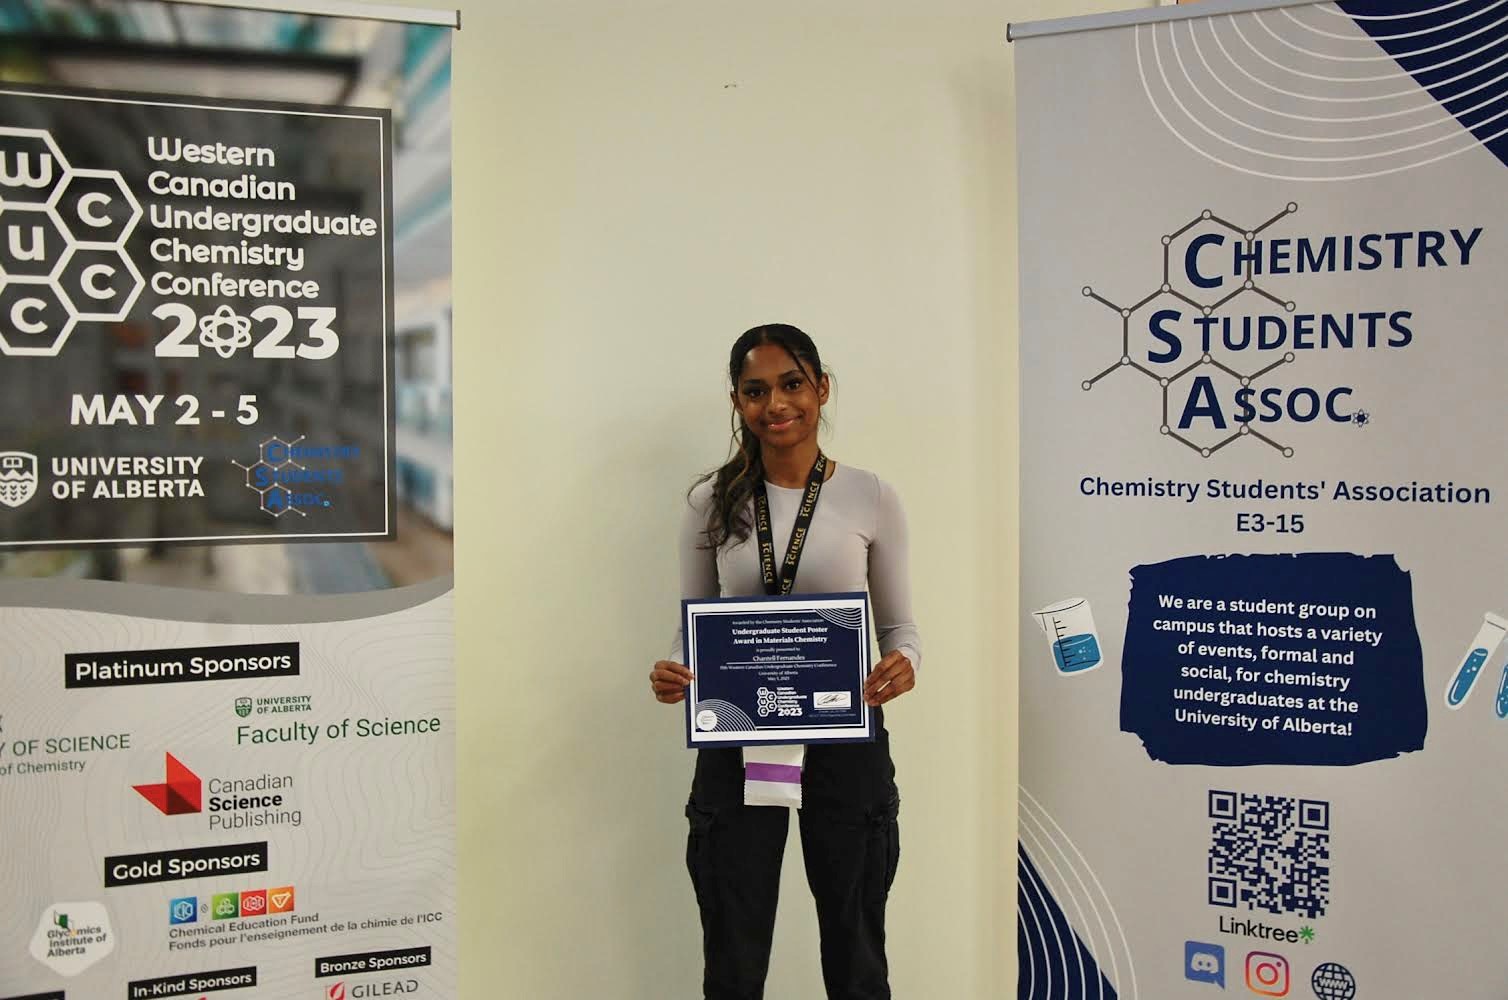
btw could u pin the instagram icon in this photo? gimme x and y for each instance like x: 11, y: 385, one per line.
x: 1267, y: 974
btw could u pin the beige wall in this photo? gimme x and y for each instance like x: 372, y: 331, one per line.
x: 636, y: 183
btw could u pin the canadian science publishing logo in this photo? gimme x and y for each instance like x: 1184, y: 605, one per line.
x: 180, y: 793
x: 18, y: 477
x: 232, y: 804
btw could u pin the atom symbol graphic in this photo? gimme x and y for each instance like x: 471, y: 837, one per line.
x: 210, y: 331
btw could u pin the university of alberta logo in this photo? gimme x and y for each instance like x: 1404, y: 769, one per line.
x: 18, y: 477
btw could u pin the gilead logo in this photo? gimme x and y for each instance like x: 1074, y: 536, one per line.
x: 181, y: 793
x: 361, y: 991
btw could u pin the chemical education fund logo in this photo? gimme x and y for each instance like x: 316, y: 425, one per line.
x: 18, y: 477
x: 62, y: 245
x: 71, y: 937
x: 233, y: 803
x: 231, y: 905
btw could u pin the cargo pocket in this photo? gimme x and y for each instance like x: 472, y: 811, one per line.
x: 699, y: 854
x: 885, y: 844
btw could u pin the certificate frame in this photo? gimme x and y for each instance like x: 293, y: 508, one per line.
x: 776, y: 631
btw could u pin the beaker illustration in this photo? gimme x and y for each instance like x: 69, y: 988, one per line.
x: 1488, y: 636
x: 1069, y: 627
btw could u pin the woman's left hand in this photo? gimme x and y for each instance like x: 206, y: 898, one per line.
x: 892, y: 677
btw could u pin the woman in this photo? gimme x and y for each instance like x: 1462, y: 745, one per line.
x: 856, y: 541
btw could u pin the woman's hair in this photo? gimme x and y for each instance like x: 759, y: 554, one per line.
x: 733, y: 482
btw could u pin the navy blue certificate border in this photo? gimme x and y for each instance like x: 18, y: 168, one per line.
x: 783, y: 737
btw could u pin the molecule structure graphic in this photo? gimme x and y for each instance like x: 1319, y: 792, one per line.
x: 1205, y: 361
x: 63, y: 233
x: 212, y: 331
x: 272, y: 455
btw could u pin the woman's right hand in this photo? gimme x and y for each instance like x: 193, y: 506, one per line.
x: 669, y: 680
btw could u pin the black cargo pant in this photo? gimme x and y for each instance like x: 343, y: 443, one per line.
x: 850, y: 842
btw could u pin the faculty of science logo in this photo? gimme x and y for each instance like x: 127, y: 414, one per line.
x: 18, y: 477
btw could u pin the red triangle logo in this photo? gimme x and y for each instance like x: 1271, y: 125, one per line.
x: 181, y: 793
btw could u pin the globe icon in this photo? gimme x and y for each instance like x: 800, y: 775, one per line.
x: 1333, y: 981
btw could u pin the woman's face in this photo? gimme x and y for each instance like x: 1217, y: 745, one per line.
x: 776, y: 398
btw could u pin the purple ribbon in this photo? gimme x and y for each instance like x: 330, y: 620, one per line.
x: 789, y: 773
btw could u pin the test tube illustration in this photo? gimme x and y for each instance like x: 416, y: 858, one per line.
x: 1070, y: 631
x: 1487, y: 639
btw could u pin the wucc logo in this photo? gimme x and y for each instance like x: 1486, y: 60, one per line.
x: 63, y: 233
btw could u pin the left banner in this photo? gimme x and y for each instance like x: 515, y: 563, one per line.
x: 227, y: 700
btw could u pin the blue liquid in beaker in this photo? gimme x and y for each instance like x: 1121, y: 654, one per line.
x: 1467, y: 676
x: 1076, y: 652
x: 1503, y: 696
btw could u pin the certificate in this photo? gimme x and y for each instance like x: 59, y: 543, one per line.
x: 777, y: 670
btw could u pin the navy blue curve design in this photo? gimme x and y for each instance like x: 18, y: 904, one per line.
x: 1458, y: 71
x: 1050, y: 943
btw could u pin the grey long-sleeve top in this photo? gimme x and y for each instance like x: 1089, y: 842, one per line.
x: 857, y: 542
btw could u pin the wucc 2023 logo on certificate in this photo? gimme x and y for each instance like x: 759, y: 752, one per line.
x: 63, y: 232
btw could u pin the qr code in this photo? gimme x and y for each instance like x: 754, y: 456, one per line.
x: 1271, y: 853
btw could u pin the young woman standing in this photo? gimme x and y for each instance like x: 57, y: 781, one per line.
x: 850, y: 840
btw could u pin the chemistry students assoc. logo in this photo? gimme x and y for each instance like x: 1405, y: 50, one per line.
x: 18, y: 477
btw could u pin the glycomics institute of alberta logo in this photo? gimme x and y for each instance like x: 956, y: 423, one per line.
x: 18, y: 477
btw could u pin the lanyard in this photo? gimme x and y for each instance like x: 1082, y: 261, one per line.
x: 777, y: 585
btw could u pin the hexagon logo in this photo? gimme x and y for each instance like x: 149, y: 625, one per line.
x: 97, y: 207
x: 32, y: 244
x: 71, y: 937
x: 1210, y: 300
x: 31, y: 166
x: 99, y: 284
x: 34, y: 321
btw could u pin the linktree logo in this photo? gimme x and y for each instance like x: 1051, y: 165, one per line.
x: 181, y: 793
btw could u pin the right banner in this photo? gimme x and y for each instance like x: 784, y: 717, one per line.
x: 1264, y: 560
